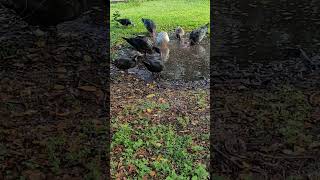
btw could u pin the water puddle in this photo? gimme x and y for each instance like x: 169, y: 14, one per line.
x: 181, y: 62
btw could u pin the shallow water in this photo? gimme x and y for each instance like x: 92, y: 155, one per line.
x: 181, y: 62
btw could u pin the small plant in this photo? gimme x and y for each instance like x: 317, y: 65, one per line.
x: 53, y: 145
x: 116, y: 15
x: 94, y: 171
x: 183, y: 121
x: 202, y: 99
x: 171, y: 156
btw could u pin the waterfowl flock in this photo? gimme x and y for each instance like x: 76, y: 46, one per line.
x: 155, y: 43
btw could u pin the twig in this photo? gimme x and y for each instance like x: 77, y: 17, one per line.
x: 225, y: 156
x: 309, y: 63
x: 287, y: 157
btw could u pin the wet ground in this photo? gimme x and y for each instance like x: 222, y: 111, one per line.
x: 184, y: 65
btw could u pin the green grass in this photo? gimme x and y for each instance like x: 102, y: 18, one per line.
x: 171, y: 156
x: 167, y: 14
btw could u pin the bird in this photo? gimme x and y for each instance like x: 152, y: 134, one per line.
x: 125, y: 22
x: 164, y: 55
x: 150, y: 26
x: 162, y: 40
x: 154, y: 65
x: 125, y: 63
x: 142, y: 44
x: 197, y: 35
x: 179, y: 32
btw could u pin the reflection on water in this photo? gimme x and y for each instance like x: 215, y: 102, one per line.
x: 181, y: 61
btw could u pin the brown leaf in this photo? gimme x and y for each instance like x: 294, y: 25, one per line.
x: 132, y: 168
x: 288, y: 151
x: 88, y: 88
x: 58, y: 87
x: 152, y: 173
x: 87, y: 58
x: 26, y: 113
x: 40, y: 43
x: 161, y: 100
x: 34, y: 174
x: 61, y: 69
x: 25, y: 92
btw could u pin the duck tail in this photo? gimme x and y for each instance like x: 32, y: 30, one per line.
x: 125, y: 38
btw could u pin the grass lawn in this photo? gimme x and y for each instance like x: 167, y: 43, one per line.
x: 167, y: 14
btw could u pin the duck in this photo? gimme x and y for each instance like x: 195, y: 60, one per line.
x: 179, y: 32
x: 154, y: 65
x: 197, y: 35
x: 150, y: 26
x: 125, y: 63
x: 142, y: 44
x: 164, y: 55
x: 125, y: 22
x: 162, y: 40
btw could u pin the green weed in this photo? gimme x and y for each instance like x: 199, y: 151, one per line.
x: 170, y: 152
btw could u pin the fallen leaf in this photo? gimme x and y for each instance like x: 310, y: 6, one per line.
x: 34, y: 174
x: 152, y: 173
x: 61, y: 69
x: 150, y: 95
x: 26, y: 113
x: 88, y: 88
x: 87, y: 58
x: 132, y: 168
x: 40, y: 43
x: 149, y: 110
x: 161, y: 100
x: 298, y: 150
x: 287, y: 151
x: 58, y: 87
x: 194, y: 122
x: 314, y: 145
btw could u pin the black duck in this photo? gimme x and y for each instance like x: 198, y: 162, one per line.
x: 197, y: 35
x: 142, y: 44
x: 125, y: 22
x: 150, y: 26
x: 154, y: 65
x: 125, y: 63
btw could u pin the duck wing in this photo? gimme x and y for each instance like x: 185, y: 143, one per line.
x: 153, y: 66
x: 125, y: 63
x: 149, y: 24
